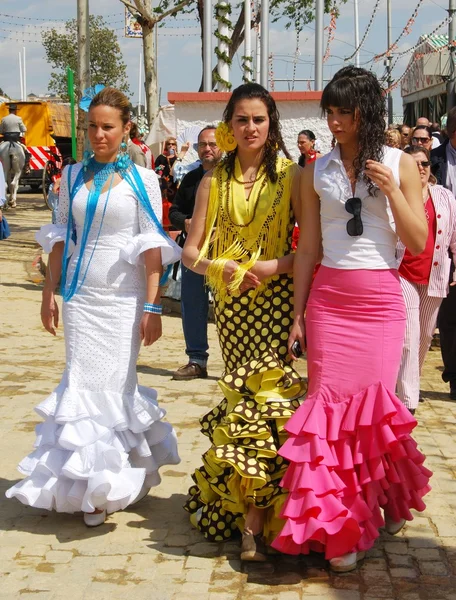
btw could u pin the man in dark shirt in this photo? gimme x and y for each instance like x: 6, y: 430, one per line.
x: 194, y: 294
x: 443, y: 166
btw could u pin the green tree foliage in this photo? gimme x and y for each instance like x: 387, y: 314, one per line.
x: 106, y: 64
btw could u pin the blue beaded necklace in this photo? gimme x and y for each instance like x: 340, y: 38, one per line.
x: 100, y: 172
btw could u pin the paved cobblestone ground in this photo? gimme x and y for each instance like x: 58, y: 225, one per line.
x: 150, y: 551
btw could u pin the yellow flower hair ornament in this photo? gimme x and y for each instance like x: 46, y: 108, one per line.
x: 225, y: 138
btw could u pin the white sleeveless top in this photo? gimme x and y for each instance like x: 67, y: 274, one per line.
x: 376, y: 248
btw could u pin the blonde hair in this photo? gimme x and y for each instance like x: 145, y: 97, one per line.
x: 110, y: 96
x: 393, y: 138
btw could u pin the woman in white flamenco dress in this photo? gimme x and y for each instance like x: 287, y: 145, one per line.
x: 103, y: 440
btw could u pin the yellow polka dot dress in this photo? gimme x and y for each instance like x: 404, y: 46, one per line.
x: 248, y: 331
x: 246, y: 429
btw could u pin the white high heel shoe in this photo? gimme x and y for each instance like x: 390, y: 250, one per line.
x: 347, y: 562
x: 95, y: 519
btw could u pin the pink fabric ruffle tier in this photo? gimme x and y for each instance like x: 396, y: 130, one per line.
x: 348, y: 459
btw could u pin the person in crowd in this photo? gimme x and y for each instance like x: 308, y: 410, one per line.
x: 349, y: 449
x: 443, y: 167
x: 135, y: 142
x: 103, y: 439
x: 136, y: 154
x: 437, y: 133
x: 306, y: 145
x: 424, y: 122
x: 424, y: 278
x: 405, y: 135
x: 163, y: 165
x: 393, y: 138
x: 180, y: 168
x: 4, y: 228
x: 251, y: 197
x: 12, y: 128
x: 422, y: 136
x: 194, y: 293
x: 54, y: 187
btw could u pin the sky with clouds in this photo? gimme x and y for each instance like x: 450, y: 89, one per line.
x: 179, y: 45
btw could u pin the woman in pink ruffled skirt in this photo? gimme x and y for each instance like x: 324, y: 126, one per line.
x: 349, y: 448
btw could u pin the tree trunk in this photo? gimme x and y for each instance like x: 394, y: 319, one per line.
x: 81, y: 130
x: 150, y: 71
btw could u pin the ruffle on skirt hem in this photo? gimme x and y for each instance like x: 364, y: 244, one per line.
x: 348, y: 459
x: 95, y: 450
x: 243, y: 467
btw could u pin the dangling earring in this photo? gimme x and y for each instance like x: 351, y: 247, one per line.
x: 86, y: 158
x: 122, y: 157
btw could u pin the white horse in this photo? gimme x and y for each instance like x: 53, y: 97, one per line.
x: 12, y: 157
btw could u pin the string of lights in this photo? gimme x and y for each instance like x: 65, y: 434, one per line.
x: 19, y: 40
x: 366, y: 33
x: 271, y: 73
x: 295, y: 60
x: 406, y: 30
x: 32, y: 34
x: 420, y: 42
x: 18, y: 18
x: 331, y: 32
x: 38, y: 40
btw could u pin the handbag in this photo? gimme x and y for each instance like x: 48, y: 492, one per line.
x: 4, y: 229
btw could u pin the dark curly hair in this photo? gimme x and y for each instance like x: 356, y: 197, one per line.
x: 358, y: 90
x: 274, y: 143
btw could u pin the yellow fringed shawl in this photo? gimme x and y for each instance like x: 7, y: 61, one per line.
x: 246, y: 230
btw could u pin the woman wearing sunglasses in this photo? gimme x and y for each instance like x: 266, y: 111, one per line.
x: 350, y: 451
x: 424, y: 278
x: 422, y: 136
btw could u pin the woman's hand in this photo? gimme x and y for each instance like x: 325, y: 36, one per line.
x: 183, y: 151
x: 150, y: 328
x: 49, y: 312
x: 297, y: 333
x: 249, y: 281
x: 382, y: 176
x: 1, y: 215
x: 255, y: 276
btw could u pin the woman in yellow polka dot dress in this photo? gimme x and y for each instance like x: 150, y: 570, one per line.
x: 240, y: 239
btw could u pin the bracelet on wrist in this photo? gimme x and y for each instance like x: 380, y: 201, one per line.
x: 155, y: 309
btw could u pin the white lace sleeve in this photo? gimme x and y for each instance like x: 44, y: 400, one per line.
x: 49, y: 235
x: 149, y: 234
x: 146, y: 225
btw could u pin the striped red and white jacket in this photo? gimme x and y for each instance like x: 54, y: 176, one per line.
x: 445, y: 239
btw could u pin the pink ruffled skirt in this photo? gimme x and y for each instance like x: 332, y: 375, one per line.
x: 349, y: 446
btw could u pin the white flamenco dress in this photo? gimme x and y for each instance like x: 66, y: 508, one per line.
x: 103, y: 437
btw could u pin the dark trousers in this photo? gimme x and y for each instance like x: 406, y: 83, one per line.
x: 447, y: 328
x: 195, y: 308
